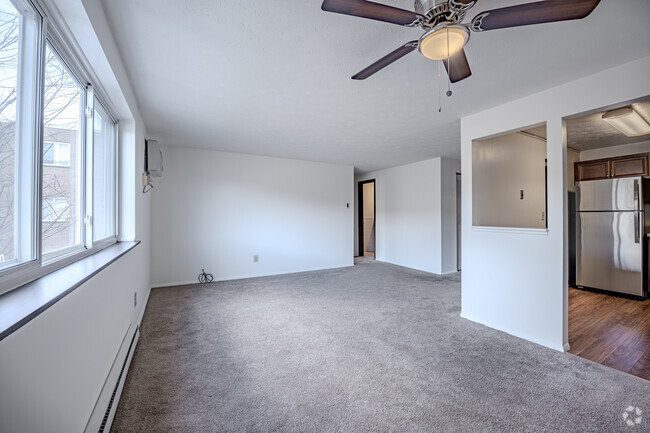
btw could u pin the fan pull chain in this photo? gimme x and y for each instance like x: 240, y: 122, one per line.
x: 439, y: 103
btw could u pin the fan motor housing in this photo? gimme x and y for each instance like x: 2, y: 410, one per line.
x: 437, y: 11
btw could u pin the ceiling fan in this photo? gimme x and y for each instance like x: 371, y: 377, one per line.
x: 445, y: 35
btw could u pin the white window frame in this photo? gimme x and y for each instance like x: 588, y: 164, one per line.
x: 111, y: 238
x: 82, y: 245
x: 30, y: 232
x: 27, y: 225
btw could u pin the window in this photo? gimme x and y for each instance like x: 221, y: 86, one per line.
x: 58, y: 151
x: 62, y: 121
x: 56, y: 154
x: 20, y: 30
x: 104, y: 174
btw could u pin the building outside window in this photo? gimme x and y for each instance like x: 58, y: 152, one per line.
x: 56, y: 154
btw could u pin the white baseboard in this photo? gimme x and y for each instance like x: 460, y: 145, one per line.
x: 516, y: 334
x: 243, y: 277
x: 181, y: 283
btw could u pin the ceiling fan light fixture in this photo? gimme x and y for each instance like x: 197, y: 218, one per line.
x: 443, y: 41
x: 628, y: 121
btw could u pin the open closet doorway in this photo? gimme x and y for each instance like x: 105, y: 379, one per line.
x: 459, y: 240
x: 367, y: 210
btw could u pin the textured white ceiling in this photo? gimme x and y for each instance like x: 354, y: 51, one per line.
x: 592, y: 132
x: 273, y: 77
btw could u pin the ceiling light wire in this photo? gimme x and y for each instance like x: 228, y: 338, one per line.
x: 448, y: 67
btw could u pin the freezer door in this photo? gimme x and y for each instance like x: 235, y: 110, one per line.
x: 610, y: 194
x: 609, y: 251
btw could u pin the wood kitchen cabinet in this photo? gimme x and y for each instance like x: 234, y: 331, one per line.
x: 622, y: 166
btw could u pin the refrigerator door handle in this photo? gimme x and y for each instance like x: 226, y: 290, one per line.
x: 637, y: 230
x: 636, y: 195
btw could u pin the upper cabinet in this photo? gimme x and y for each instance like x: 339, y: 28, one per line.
x: 622, y: 166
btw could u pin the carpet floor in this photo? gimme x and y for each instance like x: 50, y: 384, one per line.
x: 369, y: 348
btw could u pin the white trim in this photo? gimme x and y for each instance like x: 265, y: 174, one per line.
x: 245, y: 277
x: 183, y: 283
x: 513, y: 230
x: 515, y: 333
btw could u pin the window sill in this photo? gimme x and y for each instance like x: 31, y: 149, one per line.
x: 24, y: 303
x: 512, y: 230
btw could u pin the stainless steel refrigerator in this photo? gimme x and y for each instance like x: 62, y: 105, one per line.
x: 611, y: 234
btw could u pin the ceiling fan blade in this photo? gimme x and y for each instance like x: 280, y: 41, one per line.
x: 459, y: 69
x: 373, y: 11
x: 533, y: 13
x: 461, y: 5
x: 386, y: 60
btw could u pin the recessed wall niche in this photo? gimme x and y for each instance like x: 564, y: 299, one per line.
x: 509, y: 180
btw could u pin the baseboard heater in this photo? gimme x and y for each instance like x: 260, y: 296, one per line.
x: 102, y: 416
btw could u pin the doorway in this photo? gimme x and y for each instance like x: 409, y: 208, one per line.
x: 458, y: 222
x: 608, y: 313
x: 367, y: 209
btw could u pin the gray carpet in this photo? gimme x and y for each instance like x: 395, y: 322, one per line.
x: 370, y: 348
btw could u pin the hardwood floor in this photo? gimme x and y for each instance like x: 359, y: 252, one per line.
x: 610, y: 330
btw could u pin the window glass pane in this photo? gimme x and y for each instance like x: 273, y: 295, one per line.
x: 62, y: 154
x: 9, y: 30
x: 19, y: 28
x: 56, y: 154
x: 103, y: 174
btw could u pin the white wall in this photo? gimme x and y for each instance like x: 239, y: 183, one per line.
x: 502, y: 167
x: 614, y: 151
x: 216, y: 210
x: 515, y: 280
x: 409, y: 219
x: 52, y: 369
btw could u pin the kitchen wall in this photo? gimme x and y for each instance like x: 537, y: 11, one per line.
x: 504, y: 166
x: 414, y: 207
x: 217, y: 210
x: 515, y: 280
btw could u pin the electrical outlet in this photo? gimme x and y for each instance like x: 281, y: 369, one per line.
x: 135, y: 299
x: 521, y: 194
x: 256, y: 258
